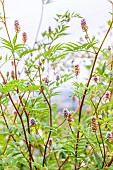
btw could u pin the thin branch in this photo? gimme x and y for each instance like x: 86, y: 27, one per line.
x: 50, y: 113
x: 63, y: 163
x: 84, y: 95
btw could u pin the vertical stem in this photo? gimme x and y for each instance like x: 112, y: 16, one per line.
x: 37, y: 33
x: 50, y: 113
x: 84, y: 95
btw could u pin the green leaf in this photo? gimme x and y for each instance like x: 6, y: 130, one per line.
x: 7, y: 44
x: 27, y: 52
x: 19, y: 46
x: 4, y: 133
x: 14, y: 39
x: 99, y: 70
x: 109, y: 23
x: 29, y: 137
x: 103, y: 68
x: 22, y: 161
x: 91, y: 167
x: 98, y: 160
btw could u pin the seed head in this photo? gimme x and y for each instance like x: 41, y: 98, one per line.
x: 17, y: 26
x: 32, y: 122
x: 84, y: 25
x: 24, y: 37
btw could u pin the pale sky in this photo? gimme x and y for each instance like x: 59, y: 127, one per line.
x: 96, y: 13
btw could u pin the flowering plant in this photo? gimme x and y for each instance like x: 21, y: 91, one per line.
x: 33, y: 134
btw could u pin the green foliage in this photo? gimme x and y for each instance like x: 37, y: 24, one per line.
x: 33, y: 134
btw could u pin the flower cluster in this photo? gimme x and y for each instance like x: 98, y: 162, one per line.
x: 109, y: 135
x: 46, y: 80
x: 24, y: 37
x: 68, y: 115
x: 57, y: 77
x: 77, y: 69
x: 84, y: 25
x: 17, y: 26
x: 94, y: 124
x: 32, y: 122
x: 106, y: 97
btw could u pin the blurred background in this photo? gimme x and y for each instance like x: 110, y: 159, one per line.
x: 29, y: 14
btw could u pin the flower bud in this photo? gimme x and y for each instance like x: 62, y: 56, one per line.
x: 57, y: 78
x: 70, y: 117
x: 46, y: 80
x: 32, y: 122
x: 12, y: 74
x: 24, y: 37
x: 40, y: 63
x: 109, y: 48
x: 50, y: 141
x: 7, y: 74
x: 14, y: 112
x: 100, y: 117
x: 109, y: 135
x: 17, y: 26
x: 77, y: 69
x: 86, y: 37
x: 65, y: 113
x: 49, y: 29
x: 95, y: 79
x: 107, y: 94
x: 94, y: 124
x: 106, y: 97
x: 84, y: 25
